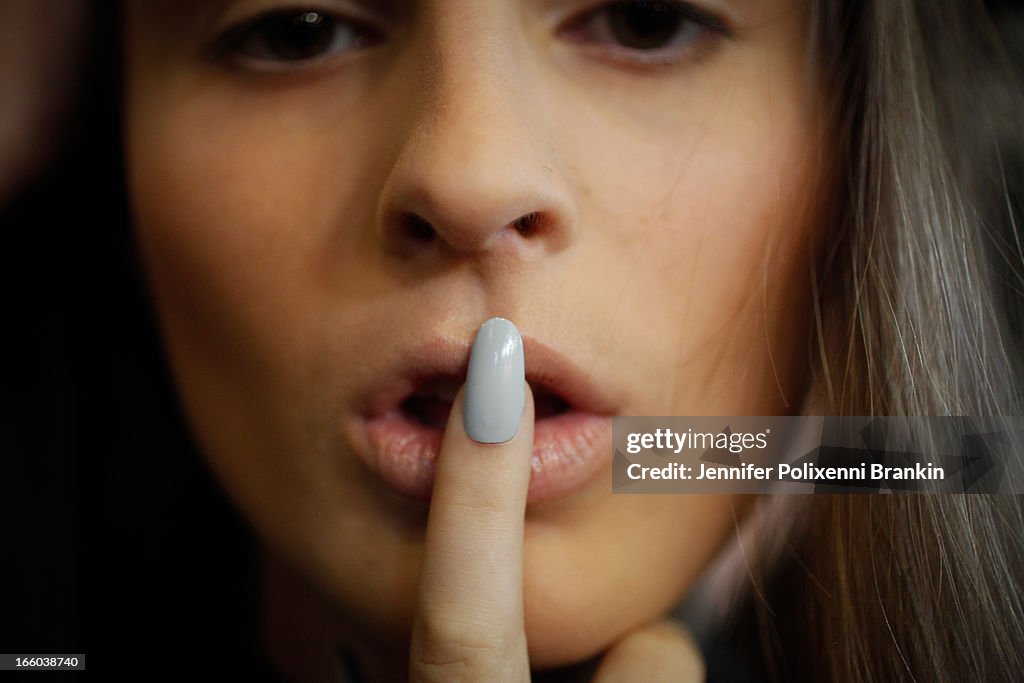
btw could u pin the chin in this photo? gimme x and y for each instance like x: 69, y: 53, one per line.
x: 577, y: 606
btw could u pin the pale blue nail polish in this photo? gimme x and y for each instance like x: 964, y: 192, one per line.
x: 495, y: 395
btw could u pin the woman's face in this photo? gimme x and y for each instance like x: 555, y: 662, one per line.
x: 330, y: 200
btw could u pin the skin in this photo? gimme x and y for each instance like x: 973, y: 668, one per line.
x: 675, y: 205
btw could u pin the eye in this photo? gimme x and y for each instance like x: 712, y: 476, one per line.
x: 284, y: 38
x: 647, y: 31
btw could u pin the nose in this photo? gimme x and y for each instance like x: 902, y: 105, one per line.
x: 476, y: 174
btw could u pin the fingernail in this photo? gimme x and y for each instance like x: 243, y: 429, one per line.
x: 494, y: 393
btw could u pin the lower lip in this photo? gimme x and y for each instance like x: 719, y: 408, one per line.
x: 568, y: 450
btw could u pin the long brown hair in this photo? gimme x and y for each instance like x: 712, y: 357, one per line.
x: 918, y: 310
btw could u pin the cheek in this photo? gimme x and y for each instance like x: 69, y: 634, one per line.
x: 252, y: 216
x: 709, y: 235
x: 243, y: 218
x: 204, y: 210
x: 236, y: 239
x: 236, y: 224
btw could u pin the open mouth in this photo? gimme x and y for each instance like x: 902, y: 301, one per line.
x: 399, y: 432
x: 431, y: 402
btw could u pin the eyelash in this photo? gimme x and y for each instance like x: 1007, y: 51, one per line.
x: 247, y: 40
x: 688, y: 16
x: 251, y: 42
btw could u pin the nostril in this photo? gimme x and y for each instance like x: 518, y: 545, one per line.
x: 418, y: 229
x: 409, y: 233
x: 528, y: 224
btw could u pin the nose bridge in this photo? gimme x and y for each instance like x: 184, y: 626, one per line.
x: 474, y: 160
x: 471, y: 120
x: 472, y: 81
x: 469, y: 75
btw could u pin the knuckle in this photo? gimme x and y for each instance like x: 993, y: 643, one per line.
x: 450, y: 649
x: 477, y: 505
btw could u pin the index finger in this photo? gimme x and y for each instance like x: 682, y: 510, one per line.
x: 469, y: 614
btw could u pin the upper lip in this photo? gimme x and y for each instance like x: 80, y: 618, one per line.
x: 546, y: 368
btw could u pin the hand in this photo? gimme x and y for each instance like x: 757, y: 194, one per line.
x: 469, y: 612
x: 663, y: 651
